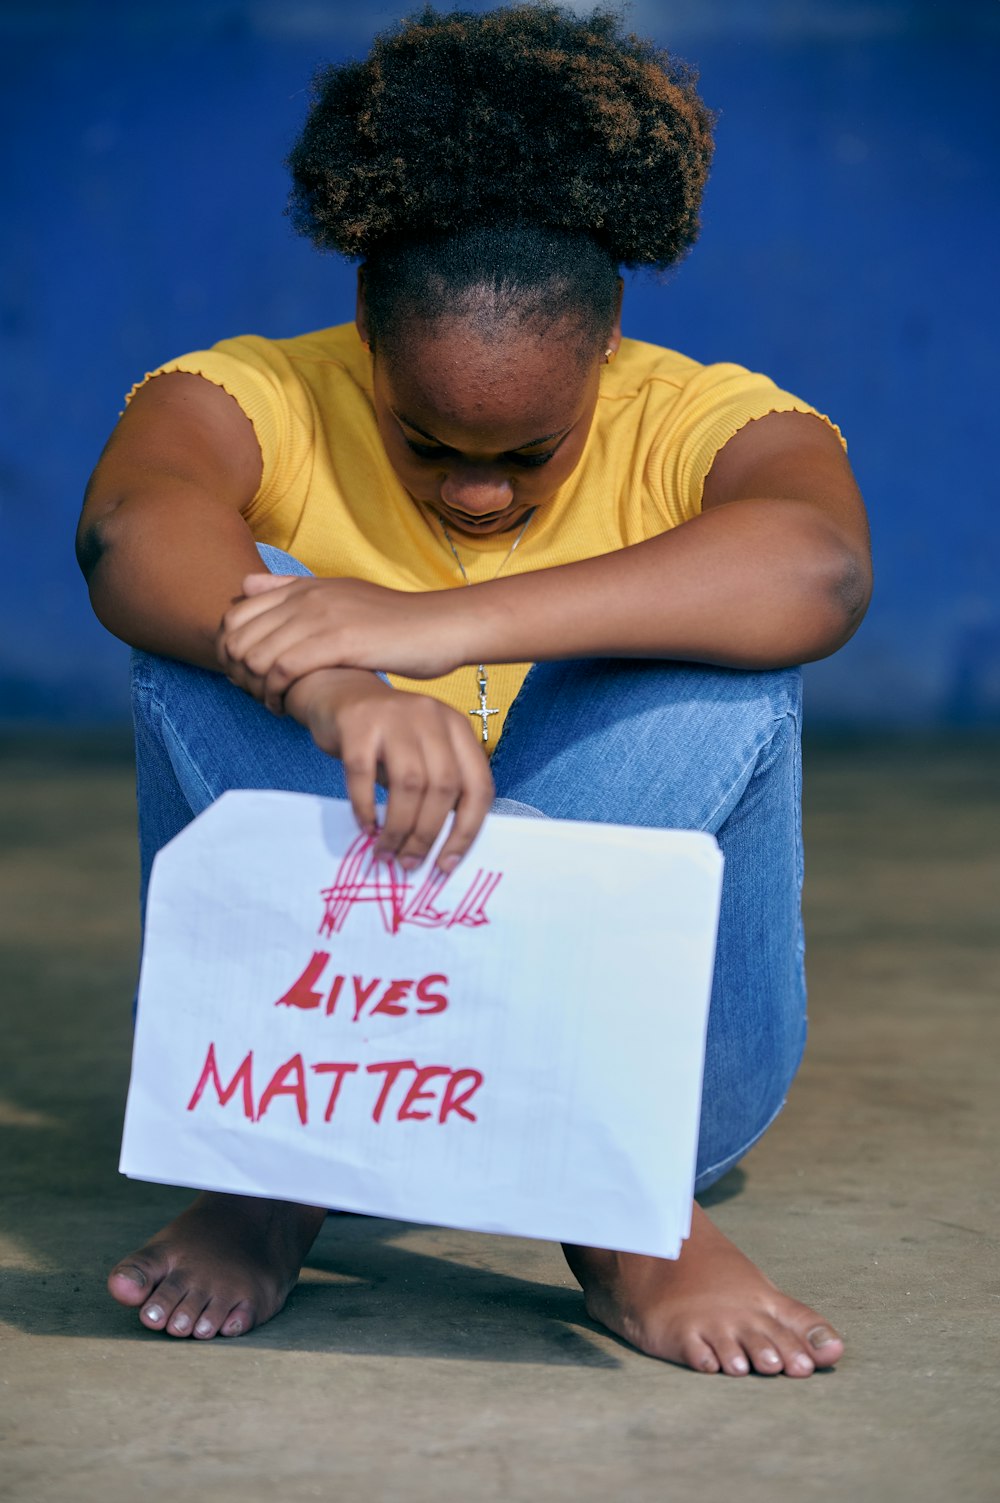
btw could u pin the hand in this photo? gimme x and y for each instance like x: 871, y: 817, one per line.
x: 422, y: 751
x: 285, y: 626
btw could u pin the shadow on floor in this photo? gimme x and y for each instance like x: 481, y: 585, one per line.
x: 363, y: 1291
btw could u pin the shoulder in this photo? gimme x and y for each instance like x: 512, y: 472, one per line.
x: 683, y: 398
x: 640, y: 365
x: 320, y: 354
x: 278, y: 382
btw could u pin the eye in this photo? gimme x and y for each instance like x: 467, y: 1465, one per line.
x: 427, y: 451
x: 532, y: 461
x: 432, y: 452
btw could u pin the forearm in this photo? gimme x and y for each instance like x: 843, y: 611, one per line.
x: 756, y: 584
x: 162, y: 569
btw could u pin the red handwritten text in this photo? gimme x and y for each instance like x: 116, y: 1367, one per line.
x: 363, y: 879
x: 394, y: 999
x: 403, y: 1087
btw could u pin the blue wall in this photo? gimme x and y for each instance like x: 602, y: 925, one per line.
x: 849, y: 250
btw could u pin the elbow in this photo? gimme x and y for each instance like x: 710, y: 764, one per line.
x: 95, y: 545
x: 94, y: 537
x: 101, y: 503
x: 852, y: 591
x: 842, y: 592
x: 91, y: 546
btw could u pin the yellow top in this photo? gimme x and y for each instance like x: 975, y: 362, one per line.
x: 329, y: 496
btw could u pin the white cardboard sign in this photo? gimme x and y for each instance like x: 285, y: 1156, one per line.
x: 515, y: 1048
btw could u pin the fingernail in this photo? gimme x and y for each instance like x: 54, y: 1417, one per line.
x: 821, y: 1336
x: 154, y: 1313
x: 203, y: 1327
x: 410, y: 863
x: 448, y: 863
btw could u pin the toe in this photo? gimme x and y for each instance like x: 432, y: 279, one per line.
x: 795, y: 1359
x: 764, y: 1355
x: 697, y: 1353
x: 186, y: 1314
x: 154, y: 1315
x: 825, y: 1346
x: 799, y: 1365
x: 239, y: 1320
x: 732, y: 1357
x: 211, y: 1318
x: 160, y: 1306
x: 132, y: 1281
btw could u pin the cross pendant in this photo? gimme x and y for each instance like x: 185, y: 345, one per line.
x: 483, y: 713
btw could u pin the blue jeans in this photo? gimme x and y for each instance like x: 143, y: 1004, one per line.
x: 670, y: 745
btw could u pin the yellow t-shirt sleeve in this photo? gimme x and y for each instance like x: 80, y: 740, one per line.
x: 258, y: 377
x: 714, y: 405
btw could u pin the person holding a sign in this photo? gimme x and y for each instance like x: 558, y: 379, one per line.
x: 480, y: 520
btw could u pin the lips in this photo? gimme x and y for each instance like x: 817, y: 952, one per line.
x: 480, y: 522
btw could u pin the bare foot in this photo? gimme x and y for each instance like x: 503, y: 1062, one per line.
x: 710, y: 1309
x: 227, y: 1264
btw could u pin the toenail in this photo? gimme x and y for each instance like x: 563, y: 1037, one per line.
x: 235, y: 1327
x: 822, y: 1336
x: 739, y: 1365
x: 769, y: 1356
x: 133, y: 1274
x: 203, y: 1327
x: 154, y: 1312
x: 181, y: 1322
x: 801, y: 1363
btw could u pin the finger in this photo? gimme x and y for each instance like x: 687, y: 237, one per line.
x: 259, y: 584
x: 295, y: 655
x: 236, y: 635
x: 406, y: 779
x: 358, y: 759
x: 247, y: 608
x: 474, y: 801
x: 444, y: 788
x: 242, y: 678
x: 255, y: 645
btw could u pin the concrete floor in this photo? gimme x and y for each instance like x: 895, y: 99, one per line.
x: 414, y: 1364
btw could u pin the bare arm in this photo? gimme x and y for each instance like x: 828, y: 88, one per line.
x: 161, y: 540
x: 165, y: 550
x: 775, y: 571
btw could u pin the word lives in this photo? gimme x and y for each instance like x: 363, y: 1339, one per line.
x: 391, y: 999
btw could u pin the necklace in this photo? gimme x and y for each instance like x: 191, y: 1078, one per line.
x: 484, y: 712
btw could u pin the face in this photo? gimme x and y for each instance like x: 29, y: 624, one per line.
x: 481, y: 430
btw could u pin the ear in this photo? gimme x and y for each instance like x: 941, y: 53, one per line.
x: 361, y: 310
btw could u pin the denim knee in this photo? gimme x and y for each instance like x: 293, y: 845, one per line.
x: 669, y: 745
x: 280, y: 562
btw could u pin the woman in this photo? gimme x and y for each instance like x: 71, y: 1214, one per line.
x: 481, y: 475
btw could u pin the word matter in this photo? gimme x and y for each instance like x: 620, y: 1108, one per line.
x: 402, y: 1082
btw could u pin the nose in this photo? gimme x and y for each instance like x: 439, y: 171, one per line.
x: 476, y: 492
